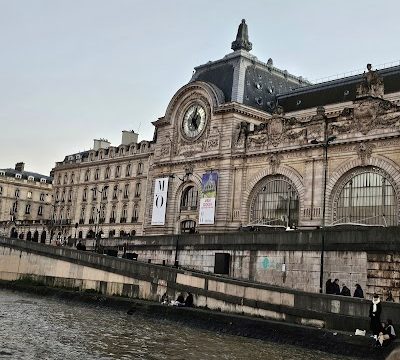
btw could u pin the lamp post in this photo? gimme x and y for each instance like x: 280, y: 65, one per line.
x: 325, y: 145
x: 96, y: 223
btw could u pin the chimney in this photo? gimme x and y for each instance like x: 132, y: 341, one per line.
x: 20, y: 166
x: 129, y: 137
x: 101, y: 144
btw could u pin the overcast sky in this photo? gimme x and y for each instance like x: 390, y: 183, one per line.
x: 75, y: 70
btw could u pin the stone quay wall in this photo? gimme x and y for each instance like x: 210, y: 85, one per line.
x: 80, y: 270
x: 367, y: 256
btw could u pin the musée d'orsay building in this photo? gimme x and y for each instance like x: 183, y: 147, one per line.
x: 245, y: 143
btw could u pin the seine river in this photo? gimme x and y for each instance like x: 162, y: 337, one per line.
x: 33, y: 327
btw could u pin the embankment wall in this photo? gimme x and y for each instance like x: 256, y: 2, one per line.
x: 80, y: 270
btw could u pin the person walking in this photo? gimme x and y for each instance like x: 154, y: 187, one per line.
x: 358, y: 292
x: 375, y: 311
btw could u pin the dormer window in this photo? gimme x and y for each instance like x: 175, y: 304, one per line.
x: 43, y: 180
x: 78, y: 156
x: 31, y: 178
x: 2, y: 173
x: 18, y: 176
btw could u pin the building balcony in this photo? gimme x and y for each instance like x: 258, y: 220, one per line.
x: 112, y: 220
x: 123, y: 220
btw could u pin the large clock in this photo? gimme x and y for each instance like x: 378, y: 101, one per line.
x: 194, y: 121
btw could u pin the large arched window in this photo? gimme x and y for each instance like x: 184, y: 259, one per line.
x: 189, y: 198
x: 366, y: 196
x: 275, y: 202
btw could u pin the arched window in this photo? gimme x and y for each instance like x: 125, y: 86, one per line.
x: 140, y: 169
x: 135, y: 214
x: 189, y: 198
x: 107, y: 173
x: 128, y: 170
x: 87, y: 175
x: 275, y: 202
x: 117, y: 171
x: 137, y: 189
x: 366, y: 196
x: 188, y: 226
x: 124, y: 214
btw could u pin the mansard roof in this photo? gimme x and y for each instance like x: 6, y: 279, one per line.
x: 336, y: 91
x: 244, y: 79
x: 26, y: 174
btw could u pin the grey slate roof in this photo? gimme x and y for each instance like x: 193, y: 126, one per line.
x: 335, y: 91
x: 25, y: 174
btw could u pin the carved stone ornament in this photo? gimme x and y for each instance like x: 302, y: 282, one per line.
x: 212, y: 143
x: 366, y: 115
x: 274, y: 161
x: 371, y: 85
x: 364, y: 151
x: 165, y: 150
x: 274, y: 130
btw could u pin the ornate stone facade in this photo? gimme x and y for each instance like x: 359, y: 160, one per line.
x: 25, y: 204
x: 271, y: 137
x: 103, y: 190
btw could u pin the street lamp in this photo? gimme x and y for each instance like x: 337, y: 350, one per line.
x: 96, y: 224
x: 325, y: 145
x: 185, y: 177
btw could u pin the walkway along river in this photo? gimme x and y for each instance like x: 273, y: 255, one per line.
x: 37, y: 327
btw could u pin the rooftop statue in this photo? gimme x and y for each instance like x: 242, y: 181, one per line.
x: 242, y: 38
x: 372, y: 84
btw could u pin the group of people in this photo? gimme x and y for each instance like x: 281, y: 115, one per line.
x: 383, y: 331
x: 332, y: 287
x: 180, y: 300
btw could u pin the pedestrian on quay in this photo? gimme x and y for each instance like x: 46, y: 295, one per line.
x: 390, y: 296
x: 345, y: 291
x: 336, y: 287
x: 329, y: 286
x: 388, y: 334
x: 358, y: 292
x: 375, y: 311
x: 189, y: 300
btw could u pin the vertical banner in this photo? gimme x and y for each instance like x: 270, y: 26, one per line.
x: 209, y: 183
x: 160, y: 201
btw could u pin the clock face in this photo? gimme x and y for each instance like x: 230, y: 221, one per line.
x: 194, y: 121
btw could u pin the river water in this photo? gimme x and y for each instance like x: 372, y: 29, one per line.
x: 34, y: 327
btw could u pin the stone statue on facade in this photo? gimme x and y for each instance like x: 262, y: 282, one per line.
x: 371, y: 85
